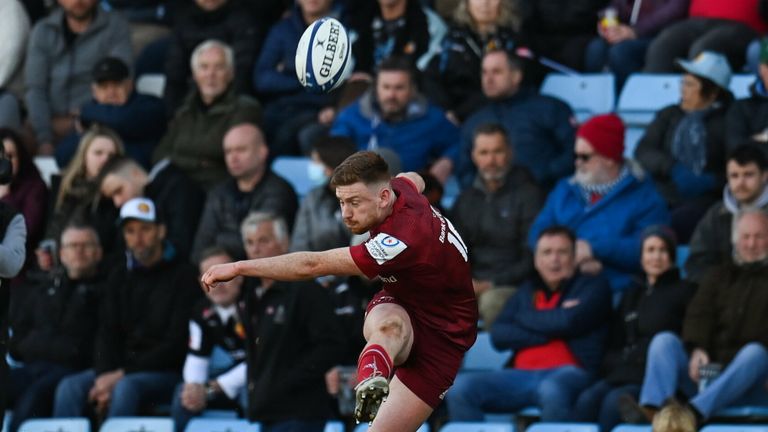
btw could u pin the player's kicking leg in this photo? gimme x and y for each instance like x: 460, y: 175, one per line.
x: 389, y: 334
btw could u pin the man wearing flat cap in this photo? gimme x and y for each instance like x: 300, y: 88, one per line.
x: 138, y: 119
x: 142, y: 333
x: 608, y: 202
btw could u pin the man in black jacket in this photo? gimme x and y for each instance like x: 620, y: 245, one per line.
x: 140, y: 342
x: 53, y: 336
x: 493, y: 217
x: 178, y: 199
x: 293, y: 338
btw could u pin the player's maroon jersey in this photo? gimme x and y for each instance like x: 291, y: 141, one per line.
x: 424, y: 264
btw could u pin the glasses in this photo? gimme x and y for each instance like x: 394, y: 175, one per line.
x: 80, y: 246
x: 583, y: 157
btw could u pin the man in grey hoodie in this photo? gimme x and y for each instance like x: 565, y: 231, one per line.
x: 747, y: 188
x: 62, y: 50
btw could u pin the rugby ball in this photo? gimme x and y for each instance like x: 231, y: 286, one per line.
x: 323, y: 56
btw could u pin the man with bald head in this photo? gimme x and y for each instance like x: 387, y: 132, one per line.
x: 724, y: 328
x: 251, y: 186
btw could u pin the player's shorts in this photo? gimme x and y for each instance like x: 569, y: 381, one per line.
x: 433, y: 362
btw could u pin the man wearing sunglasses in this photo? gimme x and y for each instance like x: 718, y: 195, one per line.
x: 607, y: 202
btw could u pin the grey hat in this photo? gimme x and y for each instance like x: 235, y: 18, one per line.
x: 710, y: 65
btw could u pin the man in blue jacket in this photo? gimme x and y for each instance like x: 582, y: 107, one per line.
x: 608, y: 202
x: 394, y: 115
x: 556, y: 324
x: 540, y: 128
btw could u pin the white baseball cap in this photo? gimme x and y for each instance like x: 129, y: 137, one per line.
x: 710, y: 65
x: 142, y: 209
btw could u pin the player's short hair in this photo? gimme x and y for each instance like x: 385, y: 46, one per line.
x: 214, y: 251
x: 118, y: 165
x: 333, y: 150
x: 558, y: 230
x: 254, y: 219
x: 366, y: 166
x: 749, y: 153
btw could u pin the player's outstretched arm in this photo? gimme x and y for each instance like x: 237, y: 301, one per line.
x: 415, y: 179
x: 289, y: 267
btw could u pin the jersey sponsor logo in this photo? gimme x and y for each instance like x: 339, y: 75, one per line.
x: 388, y: 279
x: 384, y: 247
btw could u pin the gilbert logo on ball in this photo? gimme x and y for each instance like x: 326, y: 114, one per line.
x: 323, y: 56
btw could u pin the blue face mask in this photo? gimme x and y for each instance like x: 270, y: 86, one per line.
x: 316, y: 173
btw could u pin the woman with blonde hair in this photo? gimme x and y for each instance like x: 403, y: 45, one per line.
x: 454, y: 75
x: 75, y: 193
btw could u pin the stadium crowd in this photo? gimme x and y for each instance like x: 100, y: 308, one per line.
x: 572, y: 239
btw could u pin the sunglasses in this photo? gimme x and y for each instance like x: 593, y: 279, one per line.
x: 583, y: 157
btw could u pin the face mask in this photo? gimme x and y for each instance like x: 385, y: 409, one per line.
x: 316, y: 173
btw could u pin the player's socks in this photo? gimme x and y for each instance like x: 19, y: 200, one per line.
x: 373, y: 361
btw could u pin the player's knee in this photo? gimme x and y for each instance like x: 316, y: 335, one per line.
x: 393, y: 327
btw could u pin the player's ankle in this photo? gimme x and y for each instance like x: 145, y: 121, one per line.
x: 374, y: 361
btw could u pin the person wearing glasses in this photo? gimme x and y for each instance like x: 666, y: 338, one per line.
x: 607, y: 202
x: 54, y: 324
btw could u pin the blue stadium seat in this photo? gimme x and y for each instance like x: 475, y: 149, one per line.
x: 219, y: 414
x: 682, y: 256
x: 740, y: 85
x: 632, y: 428
x: 72, y: 424
x: 644, y: 94
x: 632, y: 136
x: 363, y: 427
x: 477, y: 427
x: 137, y: 424
x: 451, y: 191
x: 294, y: 169
x: 743, y: 411
x: 221, y: 425
x: 587, y: 94
x: 734, y: 428
x: 334, y: 426
x: 151, y: 84
x: 563, y: 427
x: 483, y: 356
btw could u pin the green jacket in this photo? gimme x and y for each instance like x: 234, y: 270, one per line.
x: 194, y: 137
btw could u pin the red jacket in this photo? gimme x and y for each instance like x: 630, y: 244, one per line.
x: 745, y: 11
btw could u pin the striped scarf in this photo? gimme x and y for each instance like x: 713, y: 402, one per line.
x: 591, y: 193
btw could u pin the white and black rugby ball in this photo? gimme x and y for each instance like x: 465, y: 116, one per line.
x: 323, y: 57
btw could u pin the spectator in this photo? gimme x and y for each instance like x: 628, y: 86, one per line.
x: 142, y: 325
x: 193, y: 140
x: 560, y: 30
x: 396, y: 116
x: 227, y: 21
x: 180, y: 201
x: 75, y: 195
x: 453, y: 76
x: 26, y: 191
x: 555, y: 323
x: 493, y: 217
x: 654, y: 302
x: 216, y: 324
x: 286, y: 368
x: 318, y: 224
x: 10, y: 111
x: 712, y: 25
x: 139, y: 119
x: 394, y: 28
x: 674, y: 418
x: 683, y: 149
x: 63, y: 48
x: 289, y: 106
x: 252, y: 186
x: 54, y: 335
x: 608, y: 202
x: 540, y: 128
x: 12, y: 250
x: 624, y: 38
x: 720, y: 331
x: 14, y: 31
x: 747, y: 118
x: 747, y: 188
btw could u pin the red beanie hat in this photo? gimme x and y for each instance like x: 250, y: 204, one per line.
x: 605, y: 134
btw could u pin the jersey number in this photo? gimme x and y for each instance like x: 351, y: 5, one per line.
x: 455, y: 239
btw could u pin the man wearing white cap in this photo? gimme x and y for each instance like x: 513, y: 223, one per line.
x: 140, y: 343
